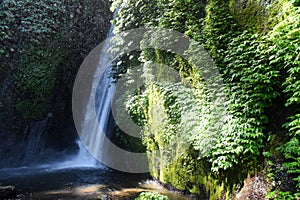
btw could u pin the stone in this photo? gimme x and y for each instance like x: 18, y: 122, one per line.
x: 8, y: 192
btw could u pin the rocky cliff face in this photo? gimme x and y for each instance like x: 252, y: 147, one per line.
x: 42, y: 46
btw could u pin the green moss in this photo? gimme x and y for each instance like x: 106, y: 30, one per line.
x: 253, y: 44
x: 169, y: 160
x: 152, y: 196
x: 35, y: 80
x: 42, y: 45
x: 259, y: 15
x: 156, y: 123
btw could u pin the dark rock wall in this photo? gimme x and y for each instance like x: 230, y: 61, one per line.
x: 40, y: 54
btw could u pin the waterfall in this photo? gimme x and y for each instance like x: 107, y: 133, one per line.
x: 98, y: 101
x: 93, y: 93
x: 93, y: 137
x: 105, y: 90
x: 34, y: 139
x: 82, y: 159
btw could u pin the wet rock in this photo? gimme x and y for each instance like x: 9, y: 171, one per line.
x: 255, y: 188
x: 104, y: 197
x: 8, y: 192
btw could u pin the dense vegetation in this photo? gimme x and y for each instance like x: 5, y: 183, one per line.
x: 151, y: 195
x: 42, y: 45
x: 197, y: 139
x: 255, y: 45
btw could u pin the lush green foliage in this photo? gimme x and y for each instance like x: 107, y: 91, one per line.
x: 259, y: 65
x: 151, y: 196
x: 35, y: 81
x: 279, y: 195
x: 274, y: 61
x: 286, y: 38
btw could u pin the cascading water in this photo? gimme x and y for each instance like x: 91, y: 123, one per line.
x: 99, y: 102
x: 93, y: 93
x: 82, y: 159
x: 93, y: 137
x: 35, y: 134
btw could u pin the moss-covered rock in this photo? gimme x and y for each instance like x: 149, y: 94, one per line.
x: 251, y: 42
x: 260, y: 15
x: 44, y: 44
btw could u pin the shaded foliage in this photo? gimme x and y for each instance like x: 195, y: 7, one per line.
x: 42, y: 45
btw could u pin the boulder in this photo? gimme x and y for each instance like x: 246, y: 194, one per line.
x: 8, y: 192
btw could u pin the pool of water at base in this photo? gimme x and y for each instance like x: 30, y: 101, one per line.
x: 50, y: 182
